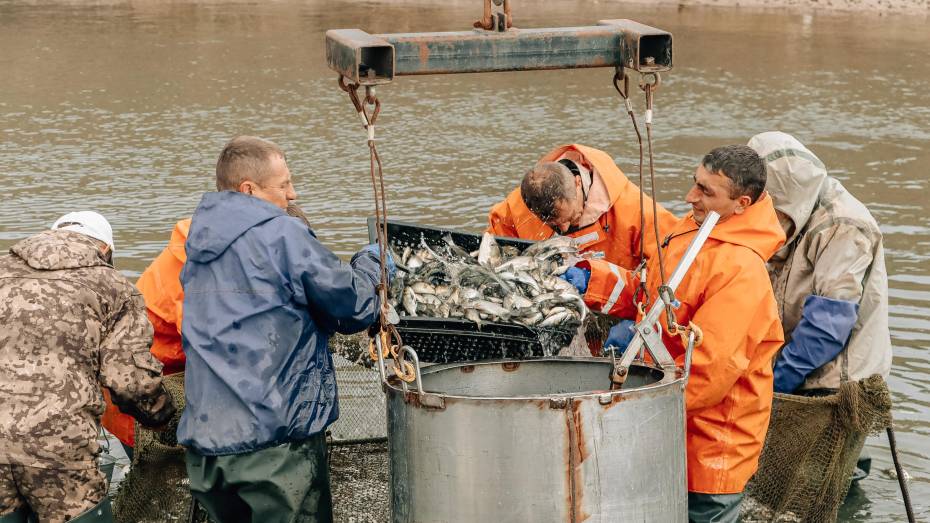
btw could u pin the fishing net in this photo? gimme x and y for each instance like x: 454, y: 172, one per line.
x: 156, y: 488
x: 360, y: 482
x: 810, y: 451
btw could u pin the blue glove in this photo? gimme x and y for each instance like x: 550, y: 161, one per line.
x: 818, y: 338
x: 620, y: 336
x: 375, y: 249
x: 578, y: 277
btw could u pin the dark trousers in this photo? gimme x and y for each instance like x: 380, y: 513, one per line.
x: 284, y: 484
x: 713, y: 508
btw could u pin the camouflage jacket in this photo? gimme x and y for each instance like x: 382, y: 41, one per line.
x: 69, y: 324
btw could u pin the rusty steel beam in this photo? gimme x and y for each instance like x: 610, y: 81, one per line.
x: 374, y: 59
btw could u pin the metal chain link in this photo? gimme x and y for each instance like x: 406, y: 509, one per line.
x: 390, y: 339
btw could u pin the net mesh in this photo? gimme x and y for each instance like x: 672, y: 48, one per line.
x: 157, y: 489
x: 811, y: 448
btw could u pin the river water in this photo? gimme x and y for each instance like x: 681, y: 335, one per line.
x: 123, y: 107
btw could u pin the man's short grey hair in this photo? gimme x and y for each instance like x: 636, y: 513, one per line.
x: 742, y: 165
x: 544, y: 185
x: 245, y: 158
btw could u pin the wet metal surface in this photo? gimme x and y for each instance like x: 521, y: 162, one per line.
x: 123, y: 107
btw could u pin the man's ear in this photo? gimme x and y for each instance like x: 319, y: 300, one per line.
x: 247, y: 187
x: 742, y: 203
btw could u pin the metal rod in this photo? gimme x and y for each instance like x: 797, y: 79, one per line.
x: 380, y: 350
x: 372, y: 59
x: 691, y: 253
x: 684, y: 264
x: 902, y: 480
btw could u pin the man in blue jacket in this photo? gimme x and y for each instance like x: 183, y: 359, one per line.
x: 261, y: 297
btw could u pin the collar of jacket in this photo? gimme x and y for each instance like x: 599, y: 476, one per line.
x: 757, y: 228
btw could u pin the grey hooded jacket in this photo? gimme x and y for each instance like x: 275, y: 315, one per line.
x: 834, y: 250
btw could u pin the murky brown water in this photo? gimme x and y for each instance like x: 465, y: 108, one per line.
x: 123, y: 107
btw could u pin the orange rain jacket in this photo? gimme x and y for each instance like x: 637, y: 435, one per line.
x: 615, y: 233
x: 727, y: 293
x: 160, y: 285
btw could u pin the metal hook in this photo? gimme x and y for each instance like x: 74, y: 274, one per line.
x: 645, y: 85
x: 621, y: 76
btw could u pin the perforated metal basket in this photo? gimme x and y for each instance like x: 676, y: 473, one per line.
x: 449, y: 340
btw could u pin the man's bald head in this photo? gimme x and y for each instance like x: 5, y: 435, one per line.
x: 547, y: 188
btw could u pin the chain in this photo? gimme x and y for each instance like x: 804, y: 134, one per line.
x: 622, y: 85
x: 368, y: 110
x: 649, y: 83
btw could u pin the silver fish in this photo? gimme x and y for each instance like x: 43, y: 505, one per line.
x: 491, y: 308
x: 414, y: 262
x: 421, y: 287
x: 410, y: 301
x: 489, y: 253
x: 556, y: 319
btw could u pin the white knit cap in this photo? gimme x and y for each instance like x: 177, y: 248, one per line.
x: 87, y: 223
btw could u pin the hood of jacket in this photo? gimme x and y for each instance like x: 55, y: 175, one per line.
x: 757, y: 228
x: 179, y: 239
x: 221, y: 218
x: 59, y: 249
x: 795, y: 176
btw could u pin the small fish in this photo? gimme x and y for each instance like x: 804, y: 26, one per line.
x: 574, y: 301
x: 472, y: 314
x: 557, y: 242
x: 491, y: 308
x: 556, y: 319
x: 392, y: 317
x: 414, y: 262
x: 428, y: 299
x: 489, y: 253
x: 531, y: 320
x: 544, y: 297
x: 444, y: 310
x: 529, y: 281
x: 554, y: 283
x: 520, y: 302
x: 520, y: 263
x: 410, y: 301
x: 421, y: 287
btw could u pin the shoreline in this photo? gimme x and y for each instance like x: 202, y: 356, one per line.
x: 872, y: 7
x: 865, y: 7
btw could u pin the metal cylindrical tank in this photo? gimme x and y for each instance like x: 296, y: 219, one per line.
x: 537, y: 440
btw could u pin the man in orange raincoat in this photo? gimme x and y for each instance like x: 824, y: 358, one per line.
x: 598, y: 206
x: 160, y: 285
x: 727, y: 294
x: 580, y: 192
x: 163, y: 296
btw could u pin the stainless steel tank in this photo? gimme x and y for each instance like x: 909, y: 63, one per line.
x: 537, y: 440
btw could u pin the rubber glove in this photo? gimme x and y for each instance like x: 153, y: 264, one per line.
x: 818, y: 338
x: 620, y: 336
x: 375, y: 249
x: 578, y: 277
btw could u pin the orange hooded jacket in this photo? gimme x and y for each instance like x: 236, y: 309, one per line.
x: 615, y: 233
x: 160, y: 285
x: 728, y: 399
